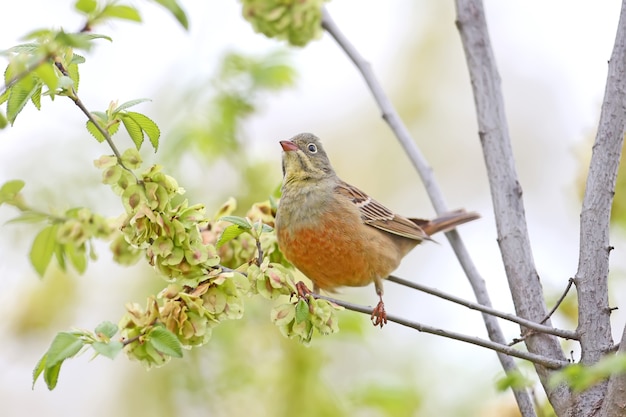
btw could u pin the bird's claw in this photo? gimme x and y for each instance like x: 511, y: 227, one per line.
x: 379, y: 315
x: 302, y: 290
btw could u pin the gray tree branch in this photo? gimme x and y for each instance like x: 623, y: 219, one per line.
x: 615, y: 403
x: 435, y: 194
x: 498, y: 347
x: 591, y: 279
x: 566, y: 334
x: 506, y: 191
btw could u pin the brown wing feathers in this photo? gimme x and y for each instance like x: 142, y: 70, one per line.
x: 375, y: 214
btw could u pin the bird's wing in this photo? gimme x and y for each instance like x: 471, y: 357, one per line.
x: 376, y: 215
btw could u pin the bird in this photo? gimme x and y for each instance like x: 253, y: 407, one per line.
x: 336, y: 234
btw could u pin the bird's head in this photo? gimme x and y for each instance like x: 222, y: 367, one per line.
x: 304, y: 159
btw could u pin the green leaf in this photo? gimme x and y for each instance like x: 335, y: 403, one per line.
x: 86, y: 6
x: 77, y: 256
x: 513, y: 380
x: 239, y: 221
x: 41, y: 365
x: 51, y: 375
x: 5, y: 96
x: 95, y: 132
x: 3, y: 120
x: 133, y: 129
x: 176, y: 10
x: 302, y: 311
x: 72, y: 70
x: 110, y: 349
x: 43, y: 248
x: 48, y: 75
x: 19, y: 96
x: 165, y: 342
x: 228, y: 234
x: 36, y: 97
x: 65, y: 345
x: 10, y: 190
x: 29, y: 217
x: 148, y: 126
x: 121, y: 12
x: 129, y: 104
x: 107, y: 329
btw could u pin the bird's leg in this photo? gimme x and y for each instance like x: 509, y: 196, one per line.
x: 379, y: 315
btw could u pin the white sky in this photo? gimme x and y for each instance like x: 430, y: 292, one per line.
x: 562, y: 45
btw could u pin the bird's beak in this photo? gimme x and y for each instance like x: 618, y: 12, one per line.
x: 288, y: 146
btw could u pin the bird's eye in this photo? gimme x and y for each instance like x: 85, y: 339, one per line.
x: 312, y: 148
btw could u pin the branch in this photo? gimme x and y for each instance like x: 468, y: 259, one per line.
x: 614, y: 404
x: 544, y: 361
x: 74, y: 97
x: 559, y: 301
x: 593, y: 264
x: 566, y: 334
x: 506, y: 191
x: 435, y: 194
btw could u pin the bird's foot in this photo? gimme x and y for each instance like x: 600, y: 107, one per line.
x: 379, y: 315
x: 303, y: 290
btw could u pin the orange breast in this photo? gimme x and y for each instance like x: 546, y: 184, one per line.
x: 334, y: 254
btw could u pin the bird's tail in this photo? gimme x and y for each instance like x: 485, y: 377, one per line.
x: 446, y: 222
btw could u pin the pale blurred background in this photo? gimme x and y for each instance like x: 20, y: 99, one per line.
x: 552, y: 58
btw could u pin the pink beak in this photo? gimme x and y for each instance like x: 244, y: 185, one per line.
x: 288, y: 146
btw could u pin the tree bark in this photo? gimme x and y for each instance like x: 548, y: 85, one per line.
x: 506, y: 190
x: 591, y: 280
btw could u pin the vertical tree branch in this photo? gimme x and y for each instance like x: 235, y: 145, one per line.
x: 615, y: 403
x: 591, y: 279
x: 435, y: 194
x: 506, y: 191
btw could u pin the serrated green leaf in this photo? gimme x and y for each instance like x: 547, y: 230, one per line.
x: 228, y: 234
x: 41, y: 365
x: 176, y: 10
x: 43, y: 248
x: 165, y: 342
x: 4, y: 96
x: 302, y: 311
x: 36, y: 97
x: 129, y: 104
x: 133, y: 129
x: 72, y: 70
x: 64, y: 346
x: 121, y: 12
x: 19, y: 95
x: 239, y: 221
x: 95, y: 132
x: 29, y: 217
x: 74, y: 40
x: 77, y: 255
x: 51, y: 375
x: 110, y: 350
x: 107, y: 329
x: 48, y: 75
x: 86, y: 6
x: 148, y: 126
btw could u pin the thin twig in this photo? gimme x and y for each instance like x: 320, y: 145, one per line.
x: 74, y: 97
x: 559, y: 301
x: 16, y: 78
x: 498, y: 347
x: 435, y: 194
x: 566, y: 334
